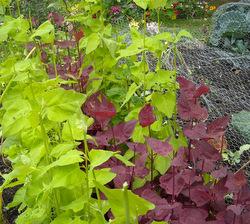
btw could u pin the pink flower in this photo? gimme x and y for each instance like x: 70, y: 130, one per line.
x: 115, y: 10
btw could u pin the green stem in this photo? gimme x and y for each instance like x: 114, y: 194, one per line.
x: 46, y: 146
x: 10, y: 12
x: 158, y: 20
x: 18, y: 7
x: 98, y: 195
x: 86, y: 151
x: 144, y: 54
x: 13, y: 77
x: 1, y: 208
x: 126, y: 202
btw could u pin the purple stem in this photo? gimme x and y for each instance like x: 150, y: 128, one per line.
x: 173, y: 198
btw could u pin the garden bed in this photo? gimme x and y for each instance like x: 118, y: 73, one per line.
x: 101, y: 127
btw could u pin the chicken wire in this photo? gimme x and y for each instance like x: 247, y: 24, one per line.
x: 226, y: 73
x: 228, y: 76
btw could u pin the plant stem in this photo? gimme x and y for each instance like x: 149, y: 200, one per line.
x: 54, y: 60
x: 113, y: 135
x: 245, y: 165
x: 126, y: 202
x: 97, y: 194
x: 1, y: 208
x: 222, y: 144
x: 9, y: 10
x: 173, y: 185
x: 151, y: 159
x: 158, y: 20
x: 46, y: 146
x: 66, y: 6
x: 144, y: 55
x: 86, y: 151
x: 18, y: 7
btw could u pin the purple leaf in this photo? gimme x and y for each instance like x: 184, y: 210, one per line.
x: 217, y: 128
x: 180, y: 159
x: 222, y: 172
x: 137, y: 147
x: 189, y: 175
x: 193, y: 215
x: 236, y: 209
x: 98, y: 107
x: 191, y: 110
x: 236, y: 181
x: 57, y: 18
x: 206, y: 151
x: 140, y: 169
x: 200, y: 195
x: 121, y: 133
x: 196, y: 132
x: 162, y: 208
x: 123, y: 175
x: 162, y: 148
x: 189, y: 107
x: 146, y: 116
x: 219, y: 190
x: 201, y: 90
x: 166, y: 182
x: 78, y: 34
x: 84, y: 78
x: 64, y: 44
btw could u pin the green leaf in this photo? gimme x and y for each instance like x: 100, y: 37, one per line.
x: 65, y: 176
x: 165, y: 103
x: 131, y: 91
x: 76, y: 205
x: 62, y: 148
x: 137, y: 206
x: 111, y: 45
x: 71, y: 157
x: 16, y: 28
x: 62, y: 104
x: 139, y: 133
x: 76, y: 126
x: 167, y: 36
x: 142, y: 3
x: 16, y: 117
x: 244, y: 148
x: 46, y: 32
x: 124, y: 160
x: 102, y: 176
x: 181, y: 34
x: 156, y: 4
x: 133, y: 49
x: 98, y: 157
x: 162, y: 164
x: 90, y: 43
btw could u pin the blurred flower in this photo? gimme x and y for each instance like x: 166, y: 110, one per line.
x: 212, y: 8
x: 115, y: 10
x: 134, y: 24
x: 152, y: 28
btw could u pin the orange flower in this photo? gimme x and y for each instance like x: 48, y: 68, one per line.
x: 212, y: 8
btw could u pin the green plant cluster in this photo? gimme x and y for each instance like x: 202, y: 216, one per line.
x: 45, y: 133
